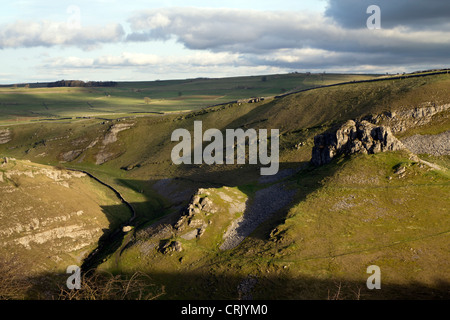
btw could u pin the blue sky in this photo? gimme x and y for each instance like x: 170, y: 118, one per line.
x: 148, y: 40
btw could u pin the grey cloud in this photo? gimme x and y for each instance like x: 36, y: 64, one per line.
x: 222, y: 29
x: 414, y: 14
x: 349, y: 61
x: 262, y: 34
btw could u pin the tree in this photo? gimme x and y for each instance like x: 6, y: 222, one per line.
x: 147, y: 100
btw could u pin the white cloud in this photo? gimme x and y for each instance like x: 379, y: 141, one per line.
x: 158, y: 21
x: 50, y: 33
x: 132, y: 59
x: 73, y: 62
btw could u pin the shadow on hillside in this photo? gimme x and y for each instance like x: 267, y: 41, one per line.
x: 208, y: 286
x: 166, y: 196
x: 173, y: 196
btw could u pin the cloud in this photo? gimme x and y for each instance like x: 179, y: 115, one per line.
x: 143, y: 66
x: 300, y: 39
x: 224, y: 29
x: 133, y: 59
x: 414, y: 34
x: 49, y: 33
x: 411, y: 14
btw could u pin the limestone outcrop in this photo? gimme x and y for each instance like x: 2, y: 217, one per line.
x: 5, y: 136
x: 192, y: 223
x: 436, y: 145
x: 400, y: 121
x: 110, y: 137
x: 353, y: 137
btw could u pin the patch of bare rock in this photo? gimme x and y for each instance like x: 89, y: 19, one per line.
x: 264, y: 204
x: 436, y: 145
x: 5, y: 136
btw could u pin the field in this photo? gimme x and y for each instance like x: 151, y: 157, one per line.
x: 37, y: 102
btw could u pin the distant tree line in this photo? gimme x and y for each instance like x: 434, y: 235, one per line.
x: 79, y: 83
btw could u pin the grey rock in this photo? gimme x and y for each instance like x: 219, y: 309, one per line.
x: 71, y: 155
x: 208, y: 205
x: 436, y: 145
x: 180, y: 225
x: 195, y: 223
x: 190, y: 234
x: 171, y: 247
x: 126, y: 229
x: 400, y: 170
x: 176, y: 245
x: 195, y: 200
x: 353, y: 137
x: 5, y: 136
x: 400, y: 121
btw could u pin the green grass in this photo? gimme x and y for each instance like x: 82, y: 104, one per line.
x: 347, y: 215
x: 19, y: 105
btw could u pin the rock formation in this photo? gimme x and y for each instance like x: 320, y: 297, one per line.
x: 191, y: 219
x: 110, y: 137
x: 5, y: 136
x: 400, y: 121
x: 353, y: 137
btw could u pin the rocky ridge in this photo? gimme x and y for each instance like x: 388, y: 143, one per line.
x: 5, y: 136
x: 400, y: 121
x: 375, y: 134
x: 353, y: 137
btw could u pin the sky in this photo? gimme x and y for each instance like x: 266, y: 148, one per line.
x: 137, y: 40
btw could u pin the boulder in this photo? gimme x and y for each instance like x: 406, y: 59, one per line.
x: 195, y: 200
x: 172, y: 246
x: 127, y: 229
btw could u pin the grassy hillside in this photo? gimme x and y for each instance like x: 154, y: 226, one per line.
x: 20, y: 104
x: 346, y: 216
x: 52, y: 218
x: 354, y: 212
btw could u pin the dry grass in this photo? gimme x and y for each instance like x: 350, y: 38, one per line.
x: 13, y: 283
x: 101, y: 285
